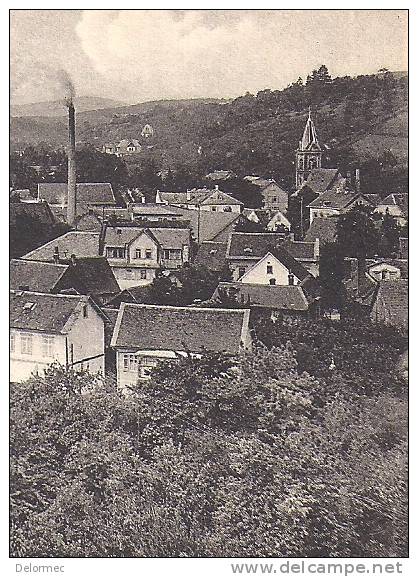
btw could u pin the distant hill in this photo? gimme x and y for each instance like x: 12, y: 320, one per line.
x: 358, y: 120
x: 56, y: 108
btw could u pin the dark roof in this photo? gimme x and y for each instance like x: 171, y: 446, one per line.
x: 300, y: 250
x: 292, y: 265
x: 266, y: 296
x: 206, y: 224
x: 393, y: 296
x: 374, y: 199
x: 80, y: 243
x: 112, y: 315
x: 49, y: 313
x: 256, y: 243
x: 87, y: 192
x: 37, y: 211
x: 335, y: 198
x: 211, y: 255
x: 323, y: 228
x: 36, y: 276
x: 320, y: 179
x: 180, y: 328
x: 164, y: 236
x: 95, y: 275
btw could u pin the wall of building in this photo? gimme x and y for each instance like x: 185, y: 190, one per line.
x: 86, y: 339
x: 146, y: 359
x: 221, y: 207
x: 23, y: 365
x: 275, y: 198
x: 259, y: 275
x: 129, y: 276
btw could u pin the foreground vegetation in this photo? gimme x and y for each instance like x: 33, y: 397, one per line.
x: 274, y: 454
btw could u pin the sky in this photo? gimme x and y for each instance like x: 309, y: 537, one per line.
x: 139, y: 55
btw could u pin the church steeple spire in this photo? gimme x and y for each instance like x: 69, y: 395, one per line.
x: 309, y: 153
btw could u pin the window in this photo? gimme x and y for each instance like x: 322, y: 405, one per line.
x: 241, y: 271
x: 48, y: 346
x: 12, y: 342
x: 85, y: 312
x: 272, y: 281
x: 115, y: 252
x: 148, y: 253
x: 175, y: 253
x: 147, y: 364
x: 137, y: 253
x: 143, y: 273
x: 291, y: 279
x: 274, y: 199
x: 26, y: 344
x: 166, y: 254
x: 269, y: 269
x: 130, y: 363
x: 213, y: 208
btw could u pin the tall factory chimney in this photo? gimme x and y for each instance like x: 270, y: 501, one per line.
x: 72, y: 186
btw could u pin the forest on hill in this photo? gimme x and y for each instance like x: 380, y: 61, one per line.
x: 361, y: 121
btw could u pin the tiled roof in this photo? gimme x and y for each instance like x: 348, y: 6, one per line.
x: 393, y: 296
x: 198, y: 196
x: 320, y: 179
x: 121, y: 235
x: 159, y: 209
x: 36, y: 276
x: 300, y: 250
x: 172, y: 237
x: 206, y: 224
x: 256, y: 243
x: 179, y: 328
x: 211, y: 255
x: 374, y: 199
x: 265, y: 296
x: 49, y: 313
x: 292, y: 265
x: 80, y: 243
x: 87, y: 192
x: 38, y: 212
x: 95, y: 275
x: 335, y: 199
x: 323, y: 228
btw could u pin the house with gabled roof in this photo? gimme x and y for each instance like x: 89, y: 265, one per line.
x: 78, y: 243
x: 280, y: 301
x: 86, y: 276
x: 136, y: 254
x: 204, y: 199
x: 173, y: 331
x: 48, y: 328
x: 89, y: 194
x: 395, y: 205
x: 274, y: 196
x: 245, y: 249
x: 335, y: 202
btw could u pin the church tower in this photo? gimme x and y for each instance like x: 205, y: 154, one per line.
x: 309, y: 153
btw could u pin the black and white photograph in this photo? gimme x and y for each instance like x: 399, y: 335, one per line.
x: 208, y: 275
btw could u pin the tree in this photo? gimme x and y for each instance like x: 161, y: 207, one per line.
x: 331, y: 276
x: 356, y: 233
x: 390, y: 233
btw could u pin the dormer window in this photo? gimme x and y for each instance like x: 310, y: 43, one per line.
x: 248, y: 250
x: 291, y: 279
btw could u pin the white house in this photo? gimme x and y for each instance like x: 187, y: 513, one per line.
x: 47, y: 328
x: 206, y: 199
x: 146, y: 334
x: 335, y: 202
x: 395, y: 205
x: 136, y: 254
x: 276, y: 267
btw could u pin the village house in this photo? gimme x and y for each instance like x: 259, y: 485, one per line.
x: 271, y: 220
x: 78, y: 243
x: 203, y: 199
x: 89, y: 194
x: 335, y: 202
x: 173, y: 331
x: 395, y: 205
x: 136, y: 254
x: 147, y: 131
x: 388, y: 269
x: 280, y: 301
x: 86, y: 275
x: 246, y: 249
x: 274, y: 196
x: 48, y: 328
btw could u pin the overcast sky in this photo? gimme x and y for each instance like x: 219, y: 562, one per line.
x: 142, y: 55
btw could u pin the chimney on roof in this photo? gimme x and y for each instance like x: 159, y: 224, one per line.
x: 216, y: 187
x: 73, y: 260
x: 188, y: 195
x: 316, y: 249
x: 56, y: 255
x: 72, y: 186
x: 357, y: 180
